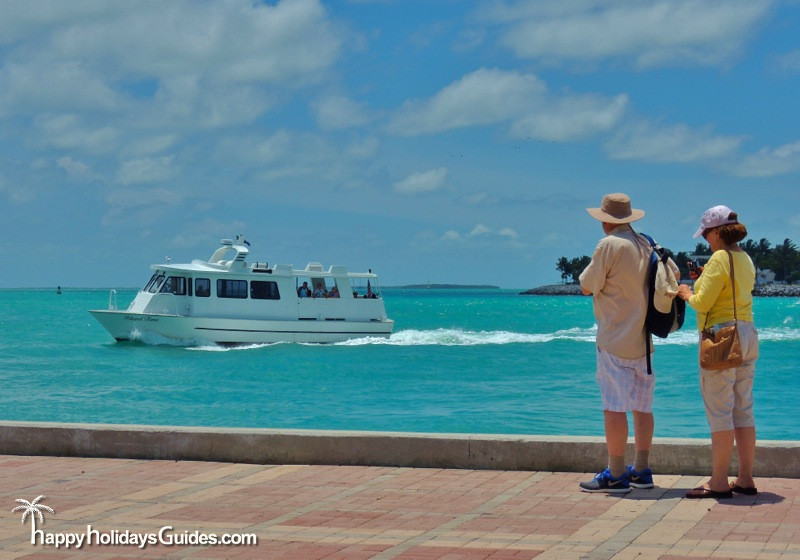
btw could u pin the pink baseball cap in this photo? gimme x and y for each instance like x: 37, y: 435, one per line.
x: 715, y: 217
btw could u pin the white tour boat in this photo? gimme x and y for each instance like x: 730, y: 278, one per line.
x: 228, y: 301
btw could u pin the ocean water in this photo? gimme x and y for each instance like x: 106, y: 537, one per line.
x: 463, y: 361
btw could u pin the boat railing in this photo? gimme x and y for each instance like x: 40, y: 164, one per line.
x: 112, y: 300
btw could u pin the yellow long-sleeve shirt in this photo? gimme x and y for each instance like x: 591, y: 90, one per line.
x: 713, y: 294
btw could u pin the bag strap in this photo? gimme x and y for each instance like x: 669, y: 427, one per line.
x: 733, y: 289
x: 647, y: 334
x: 733, y: 285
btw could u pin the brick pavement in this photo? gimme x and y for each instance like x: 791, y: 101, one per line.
x: 329, y: 512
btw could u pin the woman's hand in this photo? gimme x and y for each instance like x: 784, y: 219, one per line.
x: 694, y: 270
x: 684, y: 292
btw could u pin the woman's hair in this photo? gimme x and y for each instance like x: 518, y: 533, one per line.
x: 732, y: 233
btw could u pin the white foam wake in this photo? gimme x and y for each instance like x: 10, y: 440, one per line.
x: 458, y: 337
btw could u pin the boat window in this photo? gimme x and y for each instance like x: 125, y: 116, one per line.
x: 156, y: 283
x: 232, y: 289
x: 150, y: 282
x: 174, y: 285
x: 364, y: 290
x: 264, y: 290
x: 303, y: 287
x: 188, y: 286
x: 202, y: 287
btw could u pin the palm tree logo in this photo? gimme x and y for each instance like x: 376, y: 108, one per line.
x: 34, y: 508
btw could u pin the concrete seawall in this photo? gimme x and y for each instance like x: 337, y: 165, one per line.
x: 312, y: 447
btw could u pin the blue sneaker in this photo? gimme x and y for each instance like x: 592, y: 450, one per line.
x: 642, y: 479
x: 604, y: 482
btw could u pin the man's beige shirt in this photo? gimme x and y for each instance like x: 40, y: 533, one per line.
x: 617, y: 278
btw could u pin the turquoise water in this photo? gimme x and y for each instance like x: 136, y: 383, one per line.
x: 459, y: 361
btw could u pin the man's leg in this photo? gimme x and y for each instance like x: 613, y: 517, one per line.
x: 616, y: 425
x: 613, y: 479
x: 643, y: 425
x: 613, y: 378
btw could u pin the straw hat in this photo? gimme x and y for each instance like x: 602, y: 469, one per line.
x: 616, y: 209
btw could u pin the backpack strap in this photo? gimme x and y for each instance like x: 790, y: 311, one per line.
x: 654, y: 255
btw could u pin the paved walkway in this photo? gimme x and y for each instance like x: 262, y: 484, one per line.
x: 328, y: 512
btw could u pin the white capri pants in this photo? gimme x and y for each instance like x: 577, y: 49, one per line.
x: 728, y: 393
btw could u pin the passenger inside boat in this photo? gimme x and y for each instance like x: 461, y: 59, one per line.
x: 320, y: 291
x: 304, y: 291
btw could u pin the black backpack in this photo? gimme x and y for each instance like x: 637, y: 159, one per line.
x: 658, y: 321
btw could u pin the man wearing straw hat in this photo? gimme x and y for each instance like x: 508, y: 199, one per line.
x: 617, y: 279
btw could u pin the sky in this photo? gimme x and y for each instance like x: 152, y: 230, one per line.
x: 436, y: 141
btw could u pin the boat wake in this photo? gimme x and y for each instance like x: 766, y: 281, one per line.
x: 459, y: 337
x: 207, y: 347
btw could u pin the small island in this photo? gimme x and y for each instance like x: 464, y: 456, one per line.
x: 763, y: 290
x: 554, y: 290
x: 446, y: 287
x: 777, y: 269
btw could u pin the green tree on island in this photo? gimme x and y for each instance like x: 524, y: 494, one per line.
x: 783, y: 260
x: 572, y: 268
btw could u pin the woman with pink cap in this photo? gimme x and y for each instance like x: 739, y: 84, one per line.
x: 728, y: 393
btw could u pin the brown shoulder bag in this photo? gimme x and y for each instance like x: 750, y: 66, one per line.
x: 720, y: 348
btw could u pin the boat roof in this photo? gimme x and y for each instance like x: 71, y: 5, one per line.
x: 218, y: 264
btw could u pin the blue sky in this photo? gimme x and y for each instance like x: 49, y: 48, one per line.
x: 443, y: 140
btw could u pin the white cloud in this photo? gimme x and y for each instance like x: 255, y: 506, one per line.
x: 482, y: 234
x: 337, y: 112
x: 571, y: 118
x: 315, y: 158
x: 508, y: 232
x: 62, y: 86
x: 679, y: 143
x: 483, y: 97
x: 188, y: 102
x: 649, y: 33
x: 646, y: 141
x: 253, y: 149
x: 769, y: 162
x: 209, y: 63
x: 141, y: 206
x: 491, y: 96
x: 70, y: 132
x: 422, y: 182
x: 17, y: 194
x: 363, y: 148
x: 203, y: 234
x: 479, y: 229
x: 76, y: 170
x: 149, y: 145
x: 146, y: 170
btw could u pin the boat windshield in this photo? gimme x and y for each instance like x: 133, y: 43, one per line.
x: 154, y: 283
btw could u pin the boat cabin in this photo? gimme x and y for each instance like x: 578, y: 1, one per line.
x: 228, y: 286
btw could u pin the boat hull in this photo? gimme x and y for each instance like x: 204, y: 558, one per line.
x: 125, y: 325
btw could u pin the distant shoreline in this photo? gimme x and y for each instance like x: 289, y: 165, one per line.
x: 767, y: 290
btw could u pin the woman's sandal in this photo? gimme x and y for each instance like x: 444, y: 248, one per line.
x: 747, y: 491
x: 702, y: 492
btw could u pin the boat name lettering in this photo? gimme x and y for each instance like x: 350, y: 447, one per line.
x: 141, y: 318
